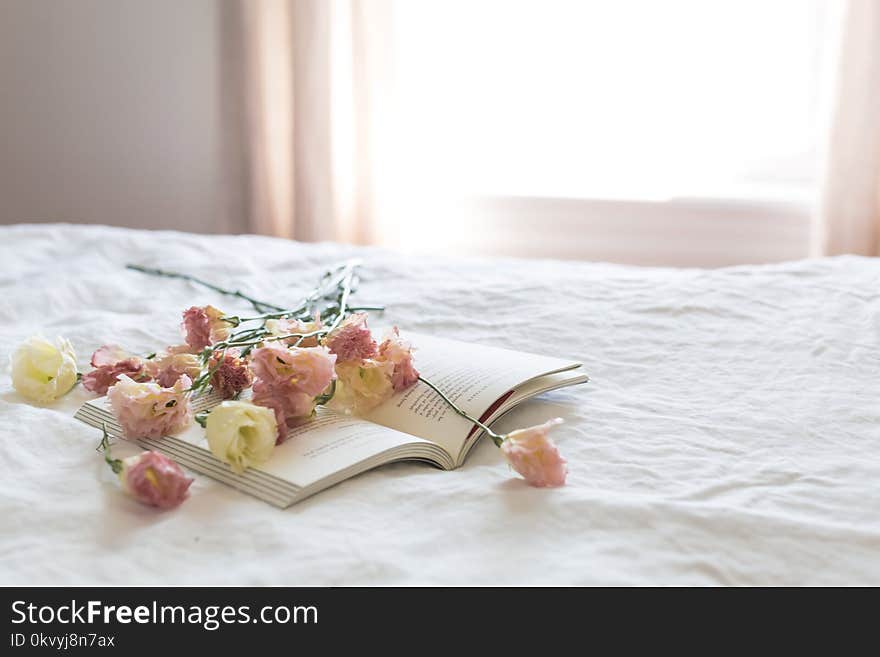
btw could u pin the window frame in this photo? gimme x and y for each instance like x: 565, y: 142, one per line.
x: 678, y: 232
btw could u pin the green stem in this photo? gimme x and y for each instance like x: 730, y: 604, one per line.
x: 272, y: 338
x: 347, y: 282
x: 339, y: 280
x: 244, y: 336
x: 104, y: 446
x: 496, y: 438
x: 259, y: 306
x: 279, y: 315
x: 322, y: 399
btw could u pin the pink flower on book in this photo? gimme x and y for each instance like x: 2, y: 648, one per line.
x: 176, y: 362
x: 351, y: 340
x: 203, y: 326
x: 278, y: 327
x: 147, y: 410
x: 287, y: 380
x: 231, y: 373
x: 364, y: 383
x: 110, y: 362
x: 534, y: 455
x: 305, y: 369
x: 399, y: 353
x: 154, y: 479
x: 290, y: 407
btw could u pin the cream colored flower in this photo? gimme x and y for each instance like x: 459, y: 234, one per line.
x: 362, y: 385
x: 241, y: 434
x: 43, y: 371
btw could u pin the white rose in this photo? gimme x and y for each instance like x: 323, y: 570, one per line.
x: 241, y: 434
x: 43, y: 371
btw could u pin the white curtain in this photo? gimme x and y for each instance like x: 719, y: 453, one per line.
x: 849, y: 220
x: 316, y: 87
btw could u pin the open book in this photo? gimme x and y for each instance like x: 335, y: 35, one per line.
x: 414, y: 424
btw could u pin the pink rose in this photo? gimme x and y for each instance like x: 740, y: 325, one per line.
x: 147, y: 410
x: 231, y: 373
x: 287, y: 380
x: 351, y: 340
x: 108, y: 355
x: 168, y: 367
x: 110, y: 362
x: 307, y: 369
x: 266, y: 396
x: 399, y: 353
x: 278, y: 327
x: 154, y: 479
x: 533, y: 454
x: 290, y: 407
x: 203, y: 326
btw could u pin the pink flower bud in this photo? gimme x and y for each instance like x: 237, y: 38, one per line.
x: 231, y: 373
x: 154, y: 479
x: 204, y: 326
x: 351, y: 340
x: 399, y: 352
x: 533, y: 454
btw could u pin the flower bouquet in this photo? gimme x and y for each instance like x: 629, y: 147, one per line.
x: 270, y: 369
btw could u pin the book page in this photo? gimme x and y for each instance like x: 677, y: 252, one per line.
x: 326, y: 444
x: 472, y: 376
x: 329, y: 443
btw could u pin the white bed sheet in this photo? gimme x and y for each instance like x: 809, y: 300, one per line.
x: 731, y: 434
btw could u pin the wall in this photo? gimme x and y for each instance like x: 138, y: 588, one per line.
x: 118, y: 112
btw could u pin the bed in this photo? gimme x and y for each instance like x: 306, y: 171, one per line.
x: 730, y: 434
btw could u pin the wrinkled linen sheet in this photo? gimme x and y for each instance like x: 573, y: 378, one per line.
x: 730, y: 435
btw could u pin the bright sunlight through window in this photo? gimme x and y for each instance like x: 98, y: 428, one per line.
x: 617, y: 100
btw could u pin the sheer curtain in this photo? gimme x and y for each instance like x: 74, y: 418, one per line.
x: 849, y: 219
x: 315, y: 86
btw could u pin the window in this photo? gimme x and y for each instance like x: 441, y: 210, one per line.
x: 714, y: 107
